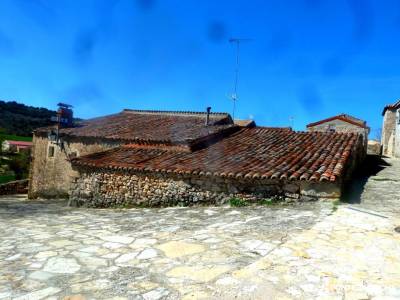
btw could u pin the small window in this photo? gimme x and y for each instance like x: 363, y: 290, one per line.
x: 51, y: 151
x: 332, y: 128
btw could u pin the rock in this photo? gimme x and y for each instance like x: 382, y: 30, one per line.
x: 177, y: 249
x: 62, y: 243
x: 45, y: 254
x: 126, y: 257
x: 146, y: 254
x: 14, y: 257
x: 200, y: 274
x: 61, y: 265
x: 118, y: 239
x: 74, y: 297
x: 111, y: 245
x: 156, y: 294
x: 142, y: 242
x: 41, y: 275
x: 40, y: 294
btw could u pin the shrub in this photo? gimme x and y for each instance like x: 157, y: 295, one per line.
x: 237, y: 202
x: 267, y: 202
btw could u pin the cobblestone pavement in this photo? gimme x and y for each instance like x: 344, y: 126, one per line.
x: 309, y: 251
x: 382, y: 191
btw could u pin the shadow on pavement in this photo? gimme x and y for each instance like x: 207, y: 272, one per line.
x: 18, y: 206
x: 371, y: 166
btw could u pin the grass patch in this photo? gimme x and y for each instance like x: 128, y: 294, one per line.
x: 237, y: 202
x: 6, y: 178
x: 13, y: 137
x: 267, y: 202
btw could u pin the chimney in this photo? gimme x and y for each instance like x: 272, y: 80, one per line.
x: 208, y: 116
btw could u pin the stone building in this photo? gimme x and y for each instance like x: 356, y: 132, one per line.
x: 391, y: 130
x: 341, y: 123
x: 155, y: 158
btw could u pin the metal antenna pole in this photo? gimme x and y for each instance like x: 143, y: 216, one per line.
x: 234, y: 96
x: 291, y: 121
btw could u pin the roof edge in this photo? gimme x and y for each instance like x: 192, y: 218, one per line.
x: 173, y: 112
x: 395, y: 105
x: 339, y: 117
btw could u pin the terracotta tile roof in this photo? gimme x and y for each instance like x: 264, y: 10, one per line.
x: 395, y: 105
x: 344, y: 118
x: 168, y: 127
x: 248, y: 153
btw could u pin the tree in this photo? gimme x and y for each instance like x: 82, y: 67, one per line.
x: 19, y: 164
x: 2, y: 131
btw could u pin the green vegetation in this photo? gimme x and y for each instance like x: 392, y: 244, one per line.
x: 268, y: 202
x: 237, y: 202
x: 6, y: 178
x: 19, y: 119
x: 19, y: 164
x: 13, y: 137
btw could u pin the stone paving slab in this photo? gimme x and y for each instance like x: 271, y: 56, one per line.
x: 382, y: 192
x: 49, y: 250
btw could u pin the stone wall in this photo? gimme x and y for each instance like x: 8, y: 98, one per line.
x: 397, y: 137
x: 104, y: 188
x: 388, y: 132
x: 52, y: 176
x: 14, y: 187
x: 374, y: 147
x: 339, y: 125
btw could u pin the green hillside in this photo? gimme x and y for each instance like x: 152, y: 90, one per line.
x: 20, y: 120
x: 13, y: 137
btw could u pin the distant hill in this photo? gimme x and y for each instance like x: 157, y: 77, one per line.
x: 20, y: 119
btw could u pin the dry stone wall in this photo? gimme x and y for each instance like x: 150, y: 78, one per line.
x: 52, y: 176
x: 103, y: 188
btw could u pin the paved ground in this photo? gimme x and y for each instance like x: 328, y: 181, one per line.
x: 310, y: 251
x: 382, y: 190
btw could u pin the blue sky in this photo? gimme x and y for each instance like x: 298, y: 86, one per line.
x: 309, y: 59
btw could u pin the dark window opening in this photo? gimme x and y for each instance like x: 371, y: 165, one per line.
x: 332, y: 128
x: 51, y: 151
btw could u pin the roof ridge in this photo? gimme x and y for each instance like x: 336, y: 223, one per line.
x: 173, y: 112
x: 394, y: 105
x: 344, y: 117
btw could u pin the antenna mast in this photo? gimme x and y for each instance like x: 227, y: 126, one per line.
x: 234, y: 96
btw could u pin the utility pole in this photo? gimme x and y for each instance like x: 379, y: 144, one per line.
x: 234, y: 96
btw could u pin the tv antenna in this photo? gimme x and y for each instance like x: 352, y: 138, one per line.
x: 234, y: 96
x: 291, y: 121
